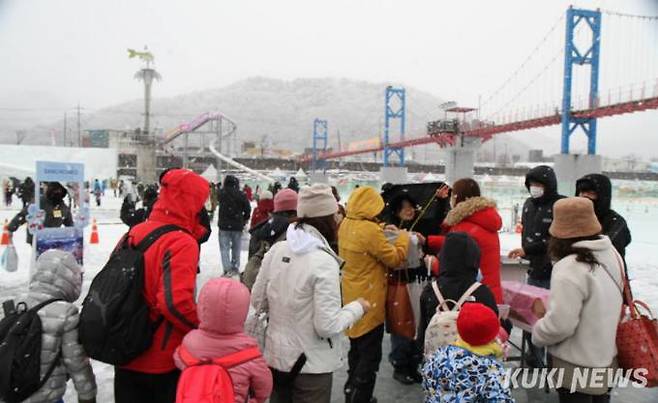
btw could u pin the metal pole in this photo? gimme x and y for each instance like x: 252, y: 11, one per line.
x: 219, y: 161
x: 65, y: 136
x: 79, y: 133
x: 185, y: 151
x: 219, y: 145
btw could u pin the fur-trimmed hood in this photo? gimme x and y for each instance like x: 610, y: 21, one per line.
x: 478, y: 210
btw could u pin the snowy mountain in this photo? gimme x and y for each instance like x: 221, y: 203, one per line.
x: 282, y: 110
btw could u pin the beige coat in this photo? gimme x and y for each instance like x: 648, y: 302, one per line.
x: 580, y: 325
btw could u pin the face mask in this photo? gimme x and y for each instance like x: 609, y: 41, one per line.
x: 536, y: 192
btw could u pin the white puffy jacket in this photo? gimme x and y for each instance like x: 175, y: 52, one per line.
x: 299, y: 282
x: 59, y: 276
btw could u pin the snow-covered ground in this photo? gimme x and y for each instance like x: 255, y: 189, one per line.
x: 638, y: 204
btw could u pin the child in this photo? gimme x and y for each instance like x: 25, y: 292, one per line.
x: 469, y: 370
x: 58, y: 276
x: 222, y: 309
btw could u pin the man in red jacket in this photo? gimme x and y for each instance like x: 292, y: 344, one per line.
x: 169, y: 281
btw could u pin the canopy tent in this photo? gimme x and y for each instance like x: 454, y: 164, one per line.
x: 210, y: 174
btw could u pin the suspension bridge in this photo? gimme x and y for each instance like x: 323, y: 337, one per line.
x: 602, y: 64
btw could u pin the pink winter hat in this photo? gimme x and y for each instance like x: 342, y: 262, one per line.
x: 285, y: 200
x: 223, y: 306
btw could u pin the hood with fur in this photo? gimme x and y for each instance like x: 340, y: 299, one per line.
x: 478, y: 210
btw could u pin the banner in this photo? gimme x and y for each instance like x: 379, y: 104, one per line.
x: 69, y: 238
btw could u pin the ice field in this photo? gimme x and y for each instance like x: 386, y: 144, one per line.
x: 636, y: 201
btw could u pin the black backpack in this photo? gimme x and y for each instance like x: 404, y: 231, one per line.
x: 20, y: 352
x: 115, y: 326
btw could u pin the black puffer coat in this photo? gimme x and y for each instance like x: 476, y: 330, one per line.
x: 614, y: 225
x: 460, y: 258
x: 269, y: 231
x: 57, y: 212
x: 536, y: 219
x: 234, y: 208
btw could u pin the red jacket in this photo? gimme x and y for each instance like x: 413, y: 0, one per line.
x: 262, y: 212
x: 171, y: 266
x: 478, y: 218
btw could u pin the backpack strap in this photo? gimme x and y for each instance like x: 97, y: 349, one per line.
x: 155, y: 235
x: 467, y: 294
x: 38, y: 307
x: 57, y: 360
x: 186, y: 357
x: 238, y: 358
x: 227, y: 361
x: 443, y: 303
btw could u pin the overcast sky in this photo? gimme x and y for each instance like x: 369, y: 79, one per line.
x: 54, y: 54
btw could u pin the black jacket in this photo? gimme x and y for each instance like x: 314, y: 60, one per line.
x: 57, y: 214
x: 460, y: 259
x: 613, y: 224
x: 234, y: 208
x: 293, y: 184
x: 26, y: 191
x: 411, y: 274
x: 268, y: 231
x: 536, y: 218
x: 132, y: 216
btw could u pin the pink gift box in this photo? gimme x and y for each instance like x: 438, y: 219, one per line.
x: 527, y: 302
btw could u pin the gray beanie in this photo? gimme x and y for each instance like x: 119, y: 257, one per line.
x: 316, y: 201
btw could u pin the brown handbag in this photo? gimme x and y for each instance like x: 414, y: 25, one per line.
x: 637, y: 334
x: 399, y: 313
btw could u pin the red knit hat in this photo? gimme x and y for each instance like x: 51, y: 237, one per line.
x: 285, y: 200
x: 477, y: 324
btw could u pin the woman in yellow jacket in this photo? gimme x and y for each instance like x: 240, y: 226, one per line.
x: 368, y: 256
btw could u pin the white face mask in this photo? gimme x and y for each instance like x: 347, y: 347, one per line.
x: 536, y: 192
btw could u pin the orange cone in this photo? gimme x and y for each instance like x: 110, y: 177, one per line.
x: 94, y: 233
x: 5, y: 234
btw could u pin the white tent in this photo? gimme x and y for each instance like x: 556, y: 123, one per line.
x: 301, y: 174
x: 210, y: 174
x: 430, y: 177
x: 278, y: 174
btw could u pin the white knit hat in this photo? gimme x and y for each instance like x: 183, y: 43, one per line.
x: 316, y: 201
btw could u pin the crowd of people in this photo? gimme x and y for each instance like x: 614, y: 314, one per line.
x: 321, y: 275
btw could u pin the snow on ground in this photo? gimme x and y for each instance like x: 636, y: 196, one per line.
x: 639, y: 207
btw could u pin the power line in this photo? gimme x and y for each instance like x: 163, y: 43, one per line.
x: 526, y: 61
x: 619, y: 14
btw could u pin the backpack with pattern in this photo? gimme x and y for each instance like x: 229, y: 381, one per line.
x: 442, y: 329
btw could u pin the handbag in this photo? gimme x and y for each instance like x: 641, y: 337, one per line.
x: 637, y: 334
x: 256, y: 327
x: 399, y: 312
x: 9, y: 258
x: 256, y: 324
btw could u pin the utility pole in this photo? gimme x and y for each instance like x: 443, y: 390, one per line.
x: 65, y: 136
x: 79, y: 133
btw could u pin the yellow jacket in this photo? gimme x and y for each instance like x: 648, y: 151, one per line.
x: 367, y: 254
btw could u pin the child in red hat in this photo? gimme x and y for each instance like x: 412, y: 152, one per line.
x: 469, y: 369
